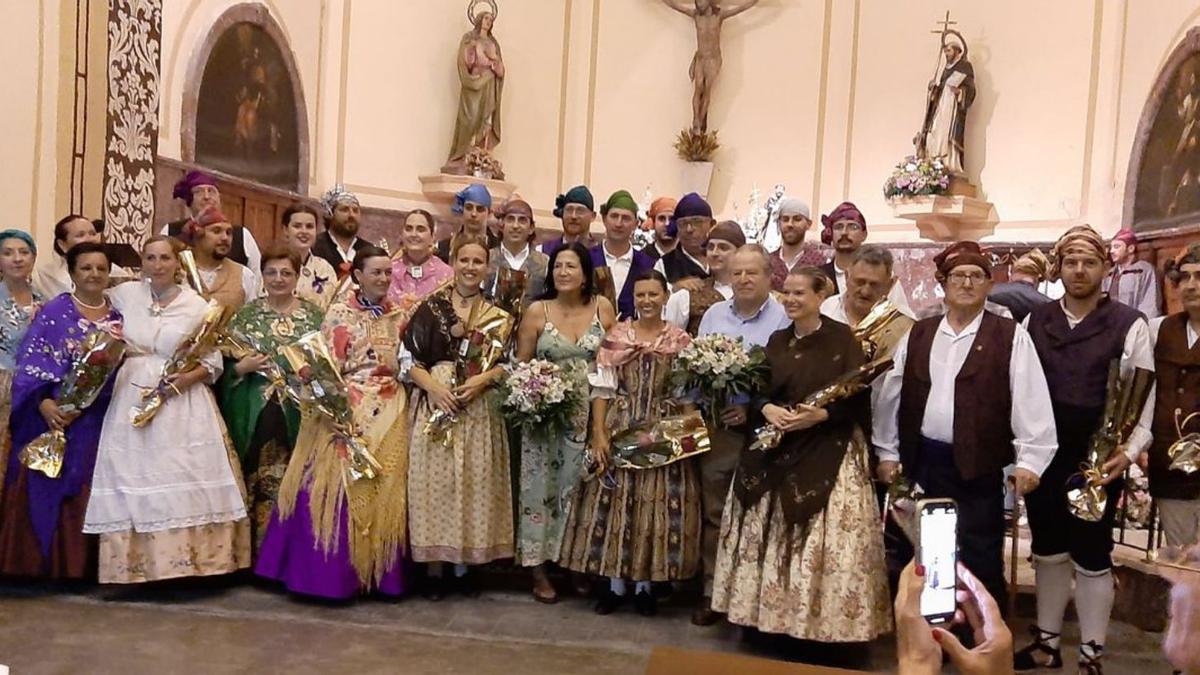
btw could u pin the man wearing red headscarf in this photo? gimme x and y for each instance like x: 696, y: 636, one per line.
x: 967, y: 397
x: 1131, y: 281
x: 658, y: 217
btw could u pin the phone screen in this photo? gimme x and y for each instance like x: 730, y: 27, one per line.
x: 939, y: 524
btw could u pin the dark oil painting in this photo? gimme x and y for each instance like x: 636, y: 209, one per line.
x: 1168, y: 188
x: 246, y: 112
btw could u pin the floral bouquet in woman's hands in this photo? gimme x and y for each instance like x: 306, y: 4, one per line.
x: 538, y: 397
x: 187, y: 356
x: 99, y: 355
x: 720, y: 368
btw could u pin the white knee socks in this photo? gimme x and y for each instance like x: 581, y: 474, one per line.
x: 1053, y: 578
x: 1094, y: 595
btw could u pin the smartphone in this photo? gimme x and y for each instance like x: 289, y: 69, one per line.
x: 938, y: 553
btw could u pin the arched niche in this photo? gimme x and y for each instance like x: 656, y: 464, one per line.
x: 243, y: 103
x: 1162, y: 188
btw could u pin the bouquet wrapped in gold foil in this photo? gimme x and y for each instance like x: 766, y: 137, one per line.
x: 191, y: 272
x: 649, y: 445
x: 768, y: 436
x: 483, y: 345
x: 879, y: 332
x: 1123, y: 405
x: 101, y: 354
x: 507, y: 291
x: 238, y: 346
x: 186, y: 357
x: 1185, y: 452
x: 316, y: 380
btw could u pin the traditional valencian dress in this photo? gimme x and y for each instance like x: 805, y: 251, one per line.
x: 14, y: 321
x: 41, y: 518
x: 330, y: 538
x: 460, y: 493
x: 167, y: 499
x: 263, y: 429
x: 800, y: 548
x: 551, y: 468
x: 646, y: 527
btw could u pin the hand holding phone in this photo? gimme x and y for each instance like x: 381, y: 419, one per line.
x: 937, y: 552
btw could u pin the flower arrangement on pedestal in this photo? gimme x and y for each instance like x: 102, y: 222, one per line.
x: 917, y: 177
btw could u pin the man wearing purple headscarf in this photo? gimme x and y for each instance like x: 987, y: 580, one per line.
x: 199, y: 190
x: 845, y: 229
x: 685, y: 265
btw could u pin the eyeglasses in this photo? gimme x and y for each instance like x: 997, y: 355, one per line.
x: 576, y: 210
x: 961, y: 278
x: 848, y: 227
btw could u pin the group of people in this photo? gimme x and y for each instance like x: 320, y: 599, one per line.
x: 231, y: 473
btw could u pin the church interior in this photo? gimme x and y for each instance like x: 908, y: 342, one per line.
x: 1077, y: 113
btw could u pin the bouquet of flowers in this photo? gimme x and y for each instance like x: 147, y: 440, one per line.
x: 488, y: 329
x: 187, y: 356
x: 316, y: 379
x: 538, y: 397
x: 100, y: 354
x: 652, y: 445
x: 915, y: 177
x: 719, y: 367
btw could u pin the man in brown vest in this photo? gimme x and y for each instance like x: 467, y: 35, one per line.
x: 1076, y: 339
x: 1176, y: 395
x: 966, y: 398
x: 227, y: 282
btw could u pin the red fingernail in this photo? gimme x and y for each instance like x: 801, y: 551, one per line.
x: 937, y: 637
x: 920, y: 570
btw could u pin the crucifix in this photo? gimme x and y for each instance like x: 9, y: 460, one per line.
x: 706, y: 64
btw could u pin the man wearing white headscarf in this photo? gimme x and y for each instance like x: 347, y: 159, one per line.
x: 339, y: 243
x: 794, y: 219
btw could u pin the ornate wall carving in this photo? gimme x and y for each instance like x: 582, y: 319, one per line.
x: 134, y: 48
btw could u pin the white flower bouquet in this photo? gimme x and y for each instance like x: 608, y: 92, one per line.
x: 719, y: 367
x: 538, y: 396
x: 915, y: 177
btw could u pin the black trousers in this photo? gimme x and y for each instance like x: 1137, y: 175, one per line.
x: 980, y: 514
x: 1054, y: 530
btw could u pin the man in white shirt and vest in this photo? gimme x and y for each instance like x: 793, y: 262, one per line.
x: 967, y: 397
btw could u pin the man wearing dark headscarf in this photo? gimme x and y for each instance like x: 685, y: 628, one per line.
x: 1076, y: 339
x: 684, y: 265
x: 199, y: 191
x: 576, y: 209
x: 966, y: 398
x: 845, y: 229
x: 1020, y: 293
x: 1132, y: 281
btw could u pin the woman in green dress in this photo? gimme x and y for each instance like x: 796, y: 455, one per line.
x: 565, y: 327
x: 261, y: 422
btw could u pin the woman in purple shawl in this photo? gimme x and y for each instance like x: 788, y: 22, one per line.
x: 41, y: 518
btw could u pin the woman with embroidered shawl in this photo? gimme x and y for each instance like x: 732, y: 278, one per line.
x: 18, y: 303
x: 41, y: 518
x: 332, y: 538
x: 263, y: 423
x: 643, y: 525
x: 800, y: 549
x: 459, y: 489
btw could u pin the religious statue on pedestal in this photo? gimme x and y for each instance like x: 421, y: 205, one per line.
x: 481, y: 71
x: 951, y: 93
x: 706, y: 65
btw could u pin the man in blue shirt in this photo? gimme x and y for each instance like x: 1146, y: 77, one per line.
x: 753, y: 314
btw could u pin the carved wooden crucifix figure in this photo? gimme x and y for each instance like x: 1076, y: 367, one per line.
x: 706, y: 64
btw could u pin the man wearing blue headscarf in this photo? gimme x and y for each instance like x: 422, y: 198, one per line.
x: 474, y: 205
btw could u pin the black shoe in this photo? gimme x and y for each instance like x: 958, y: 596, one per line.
x: 1088, y: 664
x: 608, y: 602
x: 434, y: 589
x: 1025, y: 660
x: 705, y: 616
x: 645, y: 604
x: 466, y: 586
x: 662, y: 590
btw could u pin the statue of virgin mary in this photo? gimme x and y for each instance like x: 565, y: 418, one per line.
x: 481, y: 72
